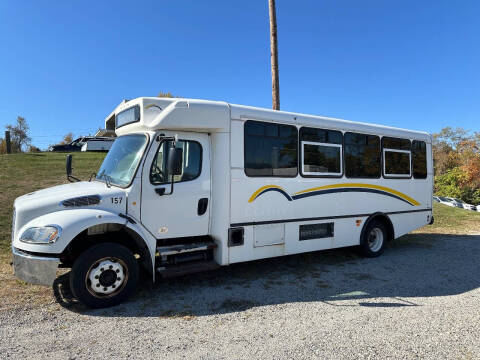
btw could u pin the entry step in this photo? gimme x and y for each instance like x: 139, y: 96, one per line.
x: 185, y: 248
x: 170, y: 271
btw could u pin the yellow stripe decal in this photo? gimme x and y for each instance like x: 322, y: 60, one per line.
x: 360, y: 185
x: 256, y: 193
x: 336, y: 186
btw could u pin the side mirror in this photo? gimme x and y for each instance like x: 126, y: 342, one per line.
x: 68, y: 165
x: 175, y: 161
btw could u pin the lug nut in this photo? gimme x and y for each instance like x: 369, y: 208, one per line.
x: 117, y: 271
x: 98, y: 285
x: 113, y: 286
x: 96, y: 276
x: 118, y: 279
x: 111, y: 267
x: 102, y: 269
x: 104, y: 289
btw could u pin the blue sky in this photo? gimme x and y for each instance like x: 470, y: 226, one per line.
x: 65, y: 65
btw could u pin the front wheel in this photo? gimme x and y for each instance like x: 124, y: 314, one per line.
x: 373, y: 239
x: 104, y: 275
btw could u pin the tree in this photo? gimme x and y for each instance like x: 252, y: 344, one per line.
x: 67, y: 139
x: 3, y: 146
x: 19, y: 134
x: 274, y: 55
x: 166, y: 94
x: 456, y: 156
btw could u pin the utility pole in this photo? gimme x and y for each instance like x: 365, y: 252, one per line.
x: 274, y: 55
x: 7, y: 142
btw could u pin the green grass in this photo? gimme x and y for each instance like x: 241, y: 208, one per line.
x: 24, y: 173
x: 450, y: 220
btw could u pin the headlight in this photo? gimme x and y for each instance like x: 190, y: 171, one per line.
x: 41, y: 235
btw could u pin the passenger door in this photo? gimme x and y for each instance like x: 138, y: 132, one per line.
x: 186, y: 211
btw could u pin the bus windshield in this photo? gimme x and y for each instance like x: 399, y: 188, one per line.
x: 122, y: 160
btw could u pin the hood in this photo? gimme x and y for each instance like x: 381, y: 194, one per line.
x: 82, y: 194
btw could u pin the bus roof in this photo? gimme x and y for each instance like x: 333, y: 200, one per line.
x: 204, y: 122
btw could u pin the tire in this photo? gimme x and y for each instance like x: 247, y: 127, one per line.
x: 374, y: 238
x: 104, y: 275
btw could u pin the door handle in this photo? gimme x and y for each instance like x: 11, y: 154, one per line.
x: 202, y: 206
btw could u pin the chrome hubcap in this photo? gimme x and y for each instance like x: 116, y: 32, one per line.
x: 375, y: 239
x: 106, y: 277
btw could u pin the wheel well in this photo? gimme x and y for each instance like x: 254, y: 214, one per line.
x: 385, y: 220
x: 115, y: 233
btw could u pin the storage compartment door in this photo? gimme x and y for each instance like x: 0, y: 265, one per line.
x: 271, y: 234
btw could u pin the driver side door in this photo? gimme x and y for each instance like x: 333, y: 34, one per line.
x: 186, y: 211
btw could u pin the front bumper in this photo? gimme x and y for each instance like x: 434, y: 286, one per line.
x: 34, y: 269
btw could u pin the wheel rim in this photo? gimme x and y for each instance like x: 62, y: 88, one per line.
x: 375, y: 239
x: 106, y: 277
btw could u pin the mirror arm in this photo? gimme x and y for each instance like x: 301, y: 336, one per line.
x: 72, y: 178
x: 174, y: 139
x: 171, y: 188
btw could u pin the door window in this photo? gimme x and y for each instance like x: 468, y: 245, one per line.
x: 191, y: 165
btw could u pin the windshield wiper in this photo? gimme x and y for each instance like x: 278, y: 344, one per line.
x: 108, y: 178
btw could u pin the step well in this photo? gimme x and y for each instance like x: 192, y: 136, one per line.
x: 169, y: 271
x: 167, y: 250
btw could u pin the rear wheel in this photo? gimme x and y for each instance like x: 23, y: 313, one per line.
x: 373, y: 239
x: 104, y: 275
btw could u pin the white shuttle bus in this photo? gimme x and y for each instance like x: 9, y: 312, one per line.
x: 191, y: 185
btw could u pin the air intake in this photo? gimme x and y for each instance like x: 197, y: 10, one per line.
x: 82, y: 201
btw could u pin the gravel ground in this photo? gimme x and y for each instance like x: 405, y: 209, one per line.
x: 419, y: 300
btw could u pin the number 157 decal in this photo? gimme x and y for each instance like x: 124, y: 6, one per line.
x: 116, y: 200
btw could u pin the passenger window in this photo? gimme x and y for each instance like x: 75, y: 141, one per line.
x: 362, y: 155
x: 396, y: 157
x: 192, y: 162
x: 321, y: 152
x: 270, y: 149
x: 419, y: 154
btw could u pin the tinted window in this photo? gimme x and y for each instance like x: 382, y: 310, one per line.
x: 419, y: 159
x: 191, y: 165
x: 397, y: 163
x: 362, y: 155
x: 270, y: 149
x: 320, y: 135
x: 396, y: 156
x: 321, y: 159
x: 395, y: 143
x: 318, y: 156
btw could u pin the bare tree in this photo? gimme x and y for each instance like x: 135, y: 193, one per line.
x: 274, y: 55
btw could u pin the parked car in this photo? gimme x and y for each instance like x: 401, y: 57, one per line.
x: 436, y: 199
x: 449, y: 202
x: 465, y: 205
x: 456, y: 203
x: 85, y: 143
x: 75, y: 145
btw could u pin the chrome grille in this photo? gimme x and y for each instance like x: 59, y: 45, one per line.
x: 82, y: 201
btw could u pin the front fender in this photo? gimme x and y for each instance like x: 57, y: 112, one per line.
x: 72, y: 222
